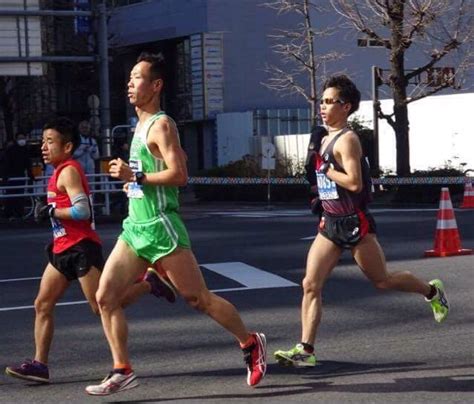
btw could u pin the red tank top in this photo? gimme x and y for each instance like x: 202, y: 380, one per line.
x: 68, y: 232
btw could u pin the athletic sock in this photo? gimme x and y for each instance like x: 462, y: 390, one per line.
x: 123, y: 368
x: 432, y: 293
x: 308, y: 347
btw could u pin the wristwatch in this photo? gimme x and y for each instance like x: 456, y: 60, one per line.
x: 139, y: 177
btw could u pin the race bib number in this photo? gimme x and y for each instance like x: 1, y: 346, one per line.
x: 327, y: 188
x: 135, y: 191
x: 58, y: 228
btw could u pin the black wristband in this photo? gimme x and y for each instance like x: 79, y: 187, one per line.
x: 139, y: 177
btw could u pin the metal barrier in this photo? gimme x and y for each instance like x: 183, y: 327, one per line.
x: 103, y: 184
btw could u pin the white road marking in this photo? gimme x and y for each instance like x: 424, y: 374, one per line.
x: 32, y: 307
x: 19, y: 279
x: 302, y: 212
x: 248, y: 276
x: 262, y: 213
x: 462, y: 378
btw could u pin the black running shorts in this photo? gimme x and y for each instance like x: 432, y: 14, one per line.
x: 346, y: 231
x: 76, y: 261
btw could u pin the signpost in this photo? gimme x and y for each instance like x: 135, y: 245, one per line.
x: 268, y: 163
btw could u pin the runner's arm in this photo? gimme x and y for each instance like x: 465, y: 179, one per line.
x: 349, y: 151
x: 69, y: 181
x: 163, y: 138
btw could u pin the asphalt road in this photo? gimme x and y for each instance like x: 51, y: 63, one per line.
x: 372, y: 346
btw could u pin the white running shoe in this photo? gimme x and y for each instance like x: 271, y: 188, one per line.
x: 113, y: 383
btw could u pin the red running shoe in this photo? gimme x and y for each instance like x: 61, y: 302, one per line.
x: 255, y: 356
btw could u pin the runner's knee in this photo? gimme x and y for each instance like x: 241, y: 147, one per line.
x: 199, y: 302
x: 105, y: 300
x: 311, y: 286
x: 44, y: 306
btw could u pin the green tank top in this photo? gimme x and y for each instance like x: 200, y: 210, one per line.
x: 148, y: 205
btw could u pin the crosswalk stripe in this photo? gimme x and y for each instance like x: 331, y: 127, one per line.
x: 250, y: 277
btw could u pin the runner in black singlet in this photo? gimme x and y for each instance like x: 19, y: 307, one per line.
x: 344, y: 187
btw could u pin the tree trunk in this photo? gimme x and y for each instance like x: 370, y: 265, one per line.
x: 399, y: 85
x: 402, y: 138
x: 312, y: 64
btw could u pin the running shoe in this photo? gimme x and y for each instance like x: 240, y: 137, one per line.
x: 439, y: 302
x: 113, y: 383
x: 255, y: 356
x: 296, y: 356
x: 29, y: 370
x: 161, y: 286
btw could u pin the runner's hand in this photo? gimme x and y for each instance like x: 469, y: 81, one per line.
x: 43, y: 211
x: 120, y: 169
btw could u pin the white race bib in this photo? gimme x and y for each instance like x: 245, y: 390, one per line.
x: 135, y: 191
x: 326, y: 188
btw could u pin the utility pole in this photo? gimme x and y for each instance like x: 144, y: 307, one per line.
x: 104, y: 91
x: 375, y: 105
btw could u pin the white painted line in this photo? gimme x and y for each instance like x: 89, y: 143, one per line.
x: 251, y: 277
x: 32, y: 307
x: 398, y: 210
x: 19, y: 279
x: 462, y: 378
x: 262, y: 214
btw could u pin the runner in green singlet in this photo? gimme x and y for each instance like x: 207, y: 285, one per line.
x: 153, y: 233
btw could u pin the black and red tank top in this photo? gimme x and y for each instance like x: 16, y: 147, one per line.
x: 68, y: 232
x: 337, y: 200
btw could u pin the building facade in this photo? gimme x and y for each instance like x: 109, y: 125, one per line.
x: 217, y: 53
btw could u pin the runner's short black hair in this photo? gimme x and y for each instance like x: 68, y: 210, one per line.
x: 348, y: 91
x: 66, y: 128
x: 157, y: 62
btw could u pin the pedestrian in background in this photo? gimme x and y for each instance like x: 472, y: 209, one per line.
x: 88, y: 151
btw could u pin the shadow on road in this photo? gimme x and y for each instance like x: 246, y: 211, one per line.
x: 460, y: 382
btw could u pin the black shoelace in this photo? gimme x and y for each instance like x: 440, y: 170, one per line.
x: 248, y: 354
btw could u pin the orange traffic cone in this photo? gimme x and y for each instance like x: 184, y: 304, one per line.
x: 468, y: 199
x: 447, y: 240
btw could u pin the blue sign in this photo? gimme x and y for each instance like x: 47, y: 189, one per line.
x: 82, y: 25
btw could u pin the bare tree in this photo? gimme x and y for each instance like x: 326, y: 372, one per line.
x: 300, y: 63
x: 443, y: 29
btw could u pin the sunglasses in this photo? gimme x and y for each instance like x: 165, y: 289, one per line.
x: 330, y: 101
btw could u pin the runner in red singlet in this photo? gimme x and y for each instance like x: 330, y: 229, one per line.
x: 76, y: 251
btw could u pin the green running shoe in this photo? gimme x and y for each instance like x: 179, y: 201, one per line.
x: 439, y: 302
x: 296, y: 356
